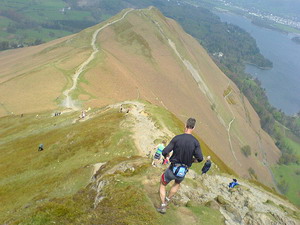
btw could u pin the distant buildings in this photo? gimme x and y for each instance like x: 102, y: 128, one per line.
x: 269, y: 16
x: 218, y: 54
x: 63, y: 10
x: 277, y: 19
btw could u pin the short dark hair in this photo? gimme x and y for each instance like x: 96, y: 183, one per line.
x: 190, y: 123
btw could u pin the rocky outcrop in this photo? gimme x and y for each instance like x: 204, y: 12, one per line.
x: 103, y: 172
x: 244, y: 204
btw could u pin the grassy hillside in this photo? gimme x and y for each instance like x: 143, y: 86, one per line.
x: 288, y: 177
x: 162, y: 117
x: 92, y: 172
x: 54, y: 184
x: 29, y: 177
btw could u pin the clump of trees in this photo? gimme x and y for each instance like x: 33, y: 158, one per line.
x: 246, y: 150
x: 288, y: 158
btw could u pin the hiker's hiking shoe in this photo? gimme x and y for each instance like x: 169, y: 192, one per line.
x: 162, y: 209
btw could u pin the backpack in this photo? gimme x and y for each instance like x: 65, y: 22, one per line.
x: 180, y: 170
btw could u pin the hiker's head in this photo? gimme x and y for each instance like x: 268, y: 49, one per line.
x: 208, y: 157
x: 235, y: 180
x: 164, y: 142
x: 190, y: 123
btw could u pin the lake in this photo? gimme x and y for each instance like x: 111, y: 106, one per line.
x: 282, y: 82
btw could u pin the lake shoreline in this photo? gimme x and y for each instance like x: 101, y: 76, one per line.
x: 281, y: 82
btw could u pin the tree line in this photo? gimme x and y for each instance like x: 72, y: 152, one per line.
x: 5, y: 45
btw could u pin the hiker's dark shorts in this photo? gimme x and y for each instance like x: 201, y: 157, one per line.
x: 157, y: 156
x: 168, y: 176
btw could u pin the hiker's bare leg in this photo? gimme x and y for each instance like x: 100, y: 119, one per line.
x: 162, y: 193
x: 173, y: 190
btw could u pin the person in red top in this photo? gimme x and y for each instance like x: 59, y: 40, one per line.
x: 186, y: 150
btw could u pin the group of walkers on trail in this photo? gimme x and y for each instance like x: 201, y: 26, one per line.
x: 57, y: 113
x: 186, y: 150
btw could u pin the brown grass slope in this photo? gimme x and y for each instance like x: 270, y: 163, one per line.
x: 144, y: 56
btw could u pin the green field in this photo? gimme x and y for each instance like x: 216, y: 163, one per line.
x: 286, y: 28
x: 298, y: 121
x: 27, y: 21
x: 288, y: 176
x: 294, y: 145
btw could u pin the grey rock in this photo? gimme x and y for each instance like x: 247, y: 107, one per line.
x: 212, y: 204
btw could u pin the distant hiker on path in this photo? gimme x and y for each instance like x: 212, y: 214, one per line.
x: 206, y: 166
x: 233, y: 183
x: 57, y: 114
x: 157, y: 155
x: 186, y: 150
x: 41, y: 147
x: 82, y: 115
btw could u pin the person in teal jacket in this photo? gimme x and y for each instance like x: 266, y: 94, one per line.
x: 157, y: 155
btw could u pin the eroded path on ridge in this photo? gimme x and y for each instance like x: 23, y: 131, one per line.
x: 229, y: 126
x: 69, y: 102
x: 144, y: 130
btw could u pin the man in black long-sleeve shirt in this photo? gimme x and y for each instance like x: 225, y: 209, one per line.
x: 186, y: 150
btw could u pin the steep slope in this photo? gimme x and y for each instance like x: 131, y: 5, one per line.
x: 140, y: 54
x: 93, y: 171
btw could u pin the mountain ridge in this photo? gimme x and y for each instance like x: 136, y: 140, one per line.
x: 161, y: 64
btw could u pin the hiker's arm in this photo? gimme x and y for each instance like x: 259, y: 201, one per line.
x: 198, y: 154
x: 168, y: 149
